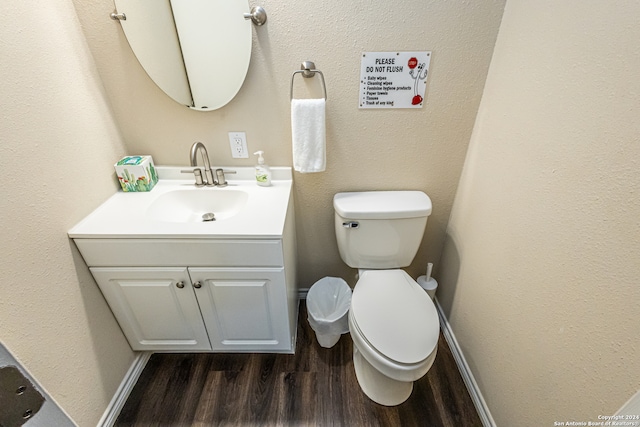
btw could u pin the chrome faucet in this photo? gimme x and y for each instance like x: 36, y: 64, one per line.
x: 208, y: 174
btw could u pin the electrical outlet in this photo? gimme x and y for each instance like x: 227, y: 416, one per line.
x: 238, y: 143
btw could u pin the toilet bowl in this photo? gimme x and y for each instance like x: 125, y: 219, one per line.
x: 392, y: 320
x: 394, y: 327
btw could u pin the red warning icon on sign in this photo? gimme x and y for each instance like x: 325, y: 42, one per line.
x: 417, y: 72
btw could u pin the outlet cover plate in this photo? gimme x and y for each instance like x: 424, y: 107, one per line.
x: 238, y: 143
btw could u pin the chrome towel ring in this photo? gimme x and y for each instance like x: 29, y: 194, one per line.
x: 308, y: 70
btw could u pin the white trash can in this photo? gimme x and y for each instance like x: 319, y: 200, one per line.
x: 328, y: 303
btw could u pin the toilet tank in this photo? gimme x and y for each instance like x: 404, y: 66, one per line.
x: 380, y: 229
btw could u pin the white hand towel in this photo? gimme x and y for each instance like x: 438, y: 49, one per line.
x: 308, y: 135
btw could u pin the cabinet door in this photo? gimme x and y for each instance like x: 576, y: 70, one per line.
x: 155, y: 307
x: 244, y: 309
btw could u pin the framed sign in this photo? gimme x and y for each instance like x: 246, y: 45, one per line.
x: 393, y: 79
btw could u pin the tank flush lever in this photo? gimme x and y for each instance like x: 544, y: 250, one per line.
x: 351, y: 224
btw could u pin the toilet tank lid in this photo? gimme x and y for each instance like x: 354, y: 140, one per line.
x: 382, y: 204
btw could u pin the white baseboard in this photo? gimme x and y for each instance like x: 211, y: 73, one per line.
x: 465, y: 372
x: 632, y: 407
x: 122, y: 394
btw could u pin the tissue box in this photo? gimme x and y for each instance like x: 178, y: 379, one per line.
x: 136, y: 173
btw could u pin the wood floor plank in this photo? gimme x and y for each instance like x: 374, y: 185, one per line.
x: 207, y: 408
x: 445, y: 381
x: 314, y: 387
x: 297, y: 396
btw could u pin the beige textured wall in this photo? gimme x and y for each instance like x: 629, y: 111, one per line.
x: 540, y: 279
x: 57, y: 144
x: 391, y: 149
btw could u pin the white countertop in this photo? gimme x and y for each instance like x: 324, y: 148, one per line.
x: 124, y: 215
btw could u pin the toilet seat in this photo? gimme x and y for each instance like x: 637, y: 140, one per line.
x: 395, y: 316
x: 362, y: 339
x: 382, y: 364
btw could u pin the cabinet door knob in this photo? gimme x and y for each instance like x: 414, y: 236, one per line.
x: 197, y: 284
x: 180, y: 284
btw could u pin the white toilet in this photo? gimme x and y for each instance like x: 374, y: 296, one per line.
x: 392, y: 320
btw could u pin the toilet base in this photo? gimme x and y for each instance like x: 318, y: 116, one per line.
x: 378, y: 387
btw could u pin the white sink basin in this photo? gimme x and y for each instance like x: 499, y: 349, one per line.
x: 174, y: 209
x: 194, y: 205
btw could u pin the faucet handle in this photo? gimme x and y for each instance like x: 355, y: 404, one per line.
x: 197, y: 173
x: 222, y: 181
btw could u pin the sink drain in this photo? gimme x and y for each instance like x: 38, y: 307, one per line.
x: 209, y: 216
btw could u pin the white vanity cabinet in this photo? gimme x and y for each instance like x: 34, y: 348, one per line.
x: 189, y: 309
x: 186, y: 294
x: 177, y: 283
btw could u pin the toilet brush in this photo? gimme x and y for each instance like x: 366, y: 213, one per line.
x: 427, y: 282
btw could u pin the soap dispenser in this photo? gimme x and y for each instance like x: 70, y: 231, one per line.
x: 263, y: 172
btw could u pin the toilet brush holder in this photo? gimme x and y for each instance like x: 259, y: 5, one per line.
x: 428, y: 284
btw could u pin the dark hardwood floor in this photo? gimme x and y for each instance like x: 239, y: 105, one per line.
x: 314, y: 387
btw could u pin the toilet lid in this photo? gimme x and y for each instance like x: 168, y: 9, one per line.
x: 395, y: 315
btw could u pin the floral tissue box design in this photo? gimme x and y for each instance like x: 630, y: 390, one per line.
x: 136, y: 173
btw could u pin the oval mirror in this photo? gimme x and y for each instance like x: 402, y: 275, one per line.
x: 196, y: 51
